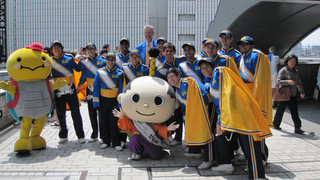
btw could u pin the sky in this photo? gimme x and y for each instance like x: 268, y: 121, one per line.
x: 312, y: 39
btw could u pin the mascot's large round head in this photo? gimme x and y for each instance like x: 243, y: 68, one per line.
x: 148, y: 99
x: 29, y: 64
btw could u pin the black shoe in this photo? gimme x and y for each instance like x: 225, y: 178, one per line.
x: 298, y: 131
x: 277, y: 127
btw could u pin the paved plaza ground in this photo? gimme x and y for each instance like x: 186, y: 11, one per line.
x: 291, y: 156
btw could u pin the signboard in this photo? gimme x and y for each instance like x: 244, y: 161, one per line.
x: 3, y: 33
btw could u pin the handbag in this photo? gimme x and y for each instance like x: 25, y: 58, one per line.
x: 281, y: 94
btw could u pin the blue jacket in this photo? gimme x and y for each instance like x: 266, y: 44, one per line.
x: 142, y: 49
x: 87, y: 73
x: 121, y: 59
x: 192, y: 70
x: 131, y: 72
x: 161, y: 72
x: 68, y: 63
x: 233, y: 53
x: 250, y: 62
x: 182, y: 91
x: 101, y: 86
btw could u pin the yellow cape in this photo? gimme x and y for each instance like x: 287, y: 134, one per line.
x: 239, y: 110
x: 232, y: 65
x: 197, y: 123
x: 262, y: 90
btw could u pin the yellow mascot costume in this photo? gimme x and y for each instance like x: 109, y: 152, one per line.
x: 29, y: 96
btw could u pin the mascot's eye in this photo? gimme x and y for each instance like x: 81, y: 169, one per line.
x: 43, y: 58
x: 19, y: 59
x: 135, y: 98
x: 159, y: 101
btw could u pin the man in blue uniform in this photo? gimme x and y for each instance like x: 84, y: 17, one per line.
x: 192, y: 97
x: 89, y: 70
x: 255, y: 72
x: 62, y: 68
x: 123, y: 55
x: 161, y: 58
x: 190, y: 67
x: 145, y: 46
x: 134, y: 68
x: 108, y: 83
x: 170, y: 61
x: 226, y: 39
x: 203, y: 53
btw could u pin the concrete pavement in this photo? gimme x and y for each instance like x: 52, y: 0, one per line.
x: 291, y: 156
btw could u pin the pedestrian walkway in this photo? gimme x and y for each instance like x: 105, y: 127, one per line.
x: 291, y: 156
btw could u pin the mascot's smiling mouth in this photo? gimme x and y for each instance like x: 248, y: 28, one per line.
x: 32, y: 69
x: 145, y: 114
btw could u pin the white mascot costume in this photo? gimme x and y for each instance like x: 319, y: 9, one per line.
x: 146, y: 102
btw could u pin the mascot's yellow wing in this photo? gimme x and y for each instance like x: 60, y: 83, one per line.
x: 197, y: 123
x: 239, y: 110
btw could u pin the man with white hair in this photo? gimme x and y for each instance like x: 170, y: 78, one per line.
x: 146, y: 45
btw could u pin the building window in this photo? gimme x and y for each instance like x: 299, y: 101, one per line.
x: 186, y: 37
x: 186, y: 17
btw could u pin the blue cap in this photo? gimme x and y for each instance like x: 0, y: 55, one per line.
x: 135, y: 51
x: 204, y: 40
x: 110, y: 54
x: 226, y: 32
x: 162, y: 39
x: 245, y: 39
x: 212, y: 41
x: 205, y: 60
x: 188, y: 44
x: 56, y: 42
x: 92, y: 45
x: 124, y: 39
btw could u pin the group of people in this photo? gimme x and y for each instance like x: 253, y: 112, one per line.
x: 224, y: 95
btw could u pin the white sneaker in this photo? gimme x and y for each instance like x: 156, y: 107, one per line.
x: 193, y: 155
x: 63, y: 140
x: 103, y: 146
x: 92, y: 140
x: 175, y: 142
x: 136, y: 157
x: 118, y: 148
x: 122, y: 144
x: 81, y: 140
x: 205, y: 165
x: 223, y: 168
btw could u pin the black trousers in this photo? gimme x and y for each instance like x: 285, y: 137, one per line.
x: 209, y: 149
x: 109, y: 124
x: 223, y: 147
x: 177, y: 117
x: 252, y: 152
x: 93, y: 116
x: 72, y: 100
x: 293, y: 107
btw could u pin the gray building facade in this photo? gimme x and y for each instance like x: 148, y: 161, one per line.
x: 77, y: 22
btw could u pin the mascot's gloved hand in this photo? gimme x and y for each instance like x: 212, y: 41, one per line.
x: 8, y: 87
x: 173, y: 126
x: 58, y: 84
x: 116, y: 113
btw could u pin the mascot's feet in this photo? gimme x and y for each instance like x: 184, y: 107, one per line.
x: 22, y: 146
x: 38, y: 143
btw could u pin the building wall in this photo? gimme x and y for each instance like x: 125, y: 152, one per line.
x: 77, y: 22
x: 188, y: 21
